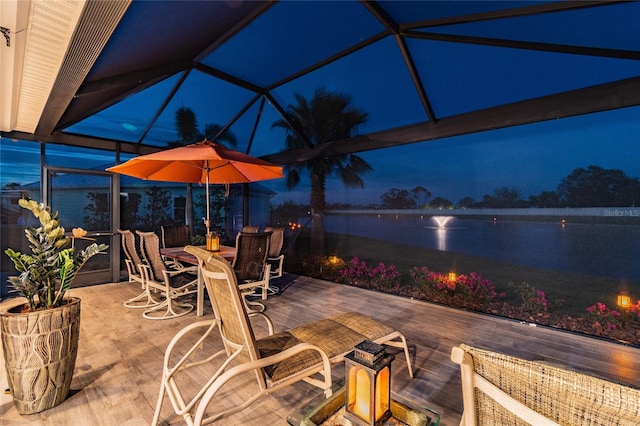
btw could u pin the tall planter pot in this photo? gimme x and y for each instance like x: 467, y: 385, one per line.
x: 40, y: 350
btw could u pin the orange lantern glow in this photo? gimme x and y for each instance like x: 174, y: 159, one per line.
x: 624, y: 301
x: 453, y: 277
x: 368, y: 384
x: 213, y: 242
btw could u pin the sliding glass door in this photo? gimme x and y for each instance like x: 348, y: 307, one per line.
x: 84, y: 199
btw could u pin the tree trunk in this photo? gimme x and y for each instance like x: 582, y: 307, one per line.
x: 317, y: 213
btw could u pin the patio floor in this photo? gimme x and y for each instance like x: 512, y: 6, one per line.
x: 116, y: 379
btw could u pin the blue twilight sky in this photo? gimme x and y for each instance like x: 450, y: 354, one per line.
x: 531, y: 158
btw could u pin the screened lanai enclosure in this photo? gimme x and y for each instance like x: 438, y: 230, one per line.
x: 491, y: 139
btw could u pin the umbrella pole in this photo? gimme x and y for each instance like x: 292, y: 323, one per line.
x: 207, y: 222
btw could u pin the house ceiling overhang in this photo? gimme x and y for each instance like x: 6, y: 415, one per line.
x: 66, y: 67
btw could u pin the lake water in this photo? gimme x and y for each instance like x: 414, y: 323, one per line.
x: 600, y: 250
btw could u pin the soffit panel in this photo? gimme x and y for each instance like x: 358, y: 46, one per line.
x: 49, y: 33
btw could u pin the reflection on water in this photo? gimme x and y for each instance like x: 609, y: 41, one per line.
x: 599, y: 250
x: 442, y: 239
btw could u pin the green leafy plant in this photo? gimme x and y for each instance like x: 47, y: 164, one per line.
x: 47, y: 273
x: 534, y: 300
x: 322, y: 266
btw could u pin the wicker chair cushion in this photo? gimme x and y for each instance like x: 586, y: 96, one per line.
x: 336, y: 336
x: 560, y: 394
x: 364, y: 325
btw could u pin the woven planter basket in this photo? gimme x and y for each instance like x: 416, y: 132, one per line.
x: 40, y: 351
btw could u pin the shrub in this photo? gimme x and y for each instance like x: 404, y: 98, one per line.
x: 360, y: 274
x: 477, y: 289
x: 608, y: 318
x: 634, y: 312
x: 471, y: 290
x: 323, y: 267
x: 435, y: 286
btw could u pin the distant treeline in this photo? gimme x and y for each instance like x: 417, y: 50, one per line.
x: 592, y: 186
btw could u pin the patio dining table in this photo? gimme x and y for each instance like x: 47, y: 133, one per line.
x: 179, y: 254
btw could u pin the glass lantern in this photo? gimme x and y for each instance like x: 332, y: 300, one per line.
x: 213, y: 242
x: 368, y: 384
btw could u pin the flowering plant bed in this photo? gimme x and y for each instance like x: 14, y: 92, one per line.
x: 473, y: 291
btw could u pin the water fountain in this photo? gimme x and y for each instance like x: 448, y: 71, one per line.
x: 442, y: 221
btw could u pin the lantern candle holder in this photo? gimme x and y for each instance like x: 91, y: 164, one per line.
x: 213, y: 241
x: 368, y: 384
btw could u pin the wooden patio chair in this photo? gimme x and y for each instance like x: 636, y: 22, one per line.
x: 276, y: 255
x: 133, y: 263
x: 278, y: 360
x: 171, y: 284
x: 251, y: 267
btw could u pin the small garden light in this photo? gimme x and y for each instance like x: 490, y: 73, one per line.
x: 453, y: 277
x: 368, y: 384
x: 624, y: 301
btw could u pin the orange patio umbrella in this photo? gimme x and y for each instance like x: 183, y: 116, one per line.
x: 203, y: 162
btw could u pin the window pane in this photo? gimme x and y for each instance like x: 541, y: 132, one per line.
x: 19, y: 174
x: 78, y: 158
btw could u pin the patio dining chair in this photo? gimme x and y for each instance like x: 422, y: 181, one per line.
x: 176, y: 236
x: 261, y: 366
x: 170, y: 284
x: 251, y: 267
x: 133, y: 263
x: 276, y: 254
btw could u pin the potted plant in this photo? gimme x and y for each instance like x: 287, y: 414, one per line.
x: 40, y: 337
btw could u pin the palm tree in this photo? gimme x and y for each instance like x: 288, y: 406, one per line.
x: 327, y: 117
x: 187, y: 128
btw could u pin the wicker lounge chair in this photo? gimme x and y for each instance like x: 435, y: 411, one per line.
x: 133, y: 262
x: 276, y: 255
x: 498, y: 389
x: 171, y: 284
x: 278, y: 360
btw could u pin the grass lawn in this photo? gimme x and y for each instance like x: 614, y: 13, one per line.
x: 578, y: 291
